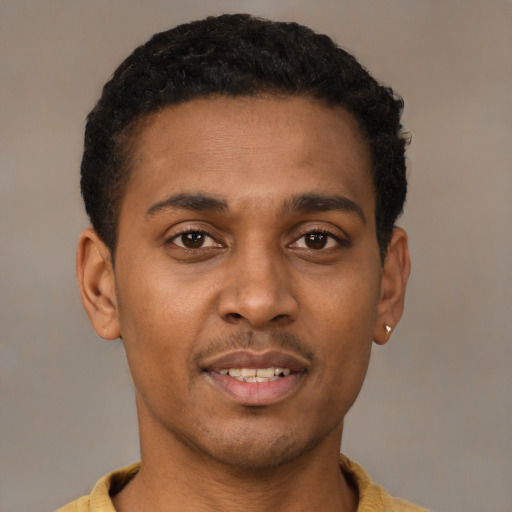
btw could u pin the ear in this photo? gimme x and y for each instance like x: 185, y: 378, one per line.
x: 96, y: 280
x: 397, y: 266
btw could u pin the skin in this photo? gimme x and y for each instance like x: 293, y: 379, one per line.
x: 230, y: 242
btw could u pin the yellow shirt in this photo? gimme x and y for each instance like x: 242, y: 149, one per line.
x: 372, y: 497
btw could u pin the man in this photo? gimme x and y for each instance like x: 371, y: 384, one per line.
x: 243, y: 178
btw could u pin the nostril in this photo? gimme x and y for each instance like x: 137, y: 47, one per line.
x: 234, y: 316
x: 282, y: 319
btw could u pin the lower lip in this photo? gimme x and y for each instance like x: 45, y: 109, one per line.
x: 256, y: 393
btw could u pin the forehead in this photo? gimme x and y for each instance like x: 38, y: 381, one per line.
x: 249, y: 147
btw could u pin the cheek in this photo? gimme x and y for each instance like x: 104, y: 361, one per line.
x: 343, y: 305
x: 158, y: 325
x: 341, y: 326
x: 159, y: 303
x: 345, y: 356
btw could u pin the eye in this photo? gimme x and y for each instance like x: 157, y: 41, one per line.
x: 318, y: 240
x: 194, y: 240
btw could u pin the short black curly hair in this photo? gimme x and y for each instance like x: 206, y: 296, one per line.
x: 237, y: 55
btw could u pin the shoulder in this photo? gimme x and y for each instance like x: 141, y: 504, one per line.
x: 373, y: 497
x: 99, y: 499
x: 79, y: 505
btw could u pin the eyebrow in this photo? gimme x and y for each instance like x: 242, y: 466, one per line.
x: 324, y: 203
x: 302, y: 203
x: 192, y: 202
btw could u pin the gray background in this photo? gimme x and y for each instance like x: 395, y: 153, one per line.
x: 433, y: 423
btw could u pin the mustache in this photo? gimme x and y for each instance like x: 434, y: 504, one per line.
x: 245, y: 340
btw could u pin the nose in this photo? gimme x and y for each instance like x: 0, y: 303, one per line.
x: 258, y: 291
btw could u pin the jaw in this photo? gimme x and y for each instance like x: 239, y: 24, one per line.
x: 254, y: 441
x: 242, y: 426
x: 283, y: 475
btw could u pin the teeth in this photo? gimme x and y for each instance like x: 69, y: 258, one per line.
x: 256, y: 374
x: 265, y: 372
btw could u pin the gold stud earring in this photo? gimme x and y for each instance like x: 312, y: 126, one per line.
x: 388, y: 330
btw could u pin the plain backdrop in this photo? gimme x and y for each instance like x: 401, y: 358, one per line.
x: 433, y: 422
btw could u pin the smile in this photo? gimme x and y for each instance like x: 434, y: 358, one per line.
x: 256, y: 374
x: 256, y: 379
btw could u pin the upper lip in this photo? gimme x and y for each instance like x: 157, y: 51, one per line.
x: 249, y: 359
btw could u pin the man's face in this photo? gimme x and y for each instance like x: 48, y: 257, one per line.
x: 247, y: 246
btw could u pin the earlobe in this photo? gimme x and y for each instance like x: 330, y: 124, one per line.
x: 97, y: 284
x: 397, y: 266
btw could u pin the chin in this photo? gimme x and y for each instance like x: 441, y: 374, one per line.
x: 255, y: 451
x: 254, y: 457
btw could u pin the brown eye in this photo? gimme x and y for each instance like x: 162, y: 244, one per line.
x: 194, y: 240
x: 316, y: 240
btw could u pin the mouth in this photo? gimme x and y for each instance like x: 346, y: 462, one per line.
x: 256, y: 374
x: 253, y: 379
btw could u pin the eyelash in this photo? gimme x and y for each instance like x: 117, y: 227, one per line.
x: 188, y: 231
x: 340, y: 241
